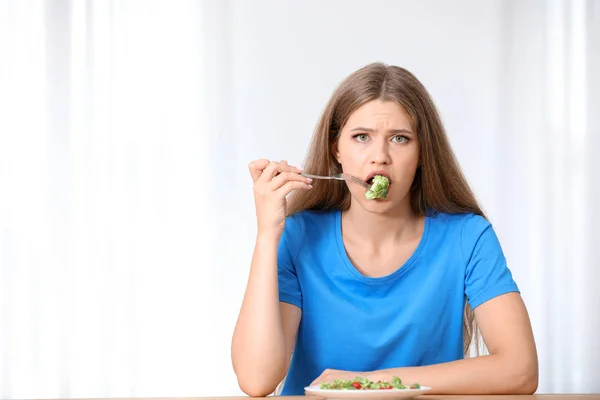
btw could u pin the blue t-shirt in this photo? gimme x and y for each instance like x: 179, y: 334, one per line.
x: 411, y: 317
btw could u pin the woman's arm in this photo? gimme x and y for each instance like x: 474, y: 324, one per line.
x: 510, y: 368
x: 266, y: 329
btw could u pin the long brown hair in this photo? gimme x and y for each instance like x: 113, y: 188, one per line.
x: 439, y: 184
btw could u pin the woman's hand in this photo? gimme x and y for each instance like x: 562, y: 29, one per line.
x: 273, y: 181
x: 329, y: 375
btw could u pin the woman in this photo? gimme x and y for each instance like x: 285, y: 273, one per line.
x: 341, y: 285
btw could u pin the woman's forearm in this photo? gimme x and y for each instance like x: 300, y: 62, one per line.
x: 258, y: 345
x: 491, y: 374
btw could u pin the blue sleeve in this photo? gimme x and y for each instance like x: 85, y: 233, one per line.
x: 487, y: 275
x: 289, y: 286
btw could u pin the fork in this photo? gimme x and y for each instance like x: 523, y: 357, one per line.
x: 341, y: 177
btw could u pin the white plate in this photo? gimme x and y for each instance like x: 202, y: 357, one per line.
x: 365, y: 394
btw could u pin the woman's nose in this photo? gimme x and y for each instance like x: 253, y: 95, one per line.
x: 380, y: 154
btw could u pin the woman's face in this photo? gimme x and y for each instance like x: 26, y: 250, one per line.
x: 378, y: 140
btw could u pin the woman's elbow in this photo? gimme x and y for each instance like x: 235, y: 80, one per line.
x: 258, y: 384
x: 254, y: 388
x: 529, y: 384
x: 526, y: 379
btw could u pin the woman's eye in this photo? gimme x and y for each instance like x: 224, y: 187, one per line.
x: 400, y: 139
x: 361, y: 137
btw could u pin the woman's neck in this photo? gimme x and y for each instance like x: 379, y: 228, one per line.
x: 375, y: 229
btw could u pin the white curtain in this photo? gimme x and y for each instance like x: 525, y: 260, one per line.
x: 105, y: 206
x: 548, y: 174
x: 126, y: 216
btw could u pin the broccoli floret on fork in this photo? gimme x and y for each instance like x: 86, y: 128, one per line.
x: 379, y: 189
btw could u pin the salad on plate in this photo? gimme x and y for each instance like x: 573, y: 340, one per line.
x: 360, y: 383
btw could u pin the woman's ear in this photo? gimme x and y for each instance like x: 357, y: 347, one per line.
x: 336, y: 153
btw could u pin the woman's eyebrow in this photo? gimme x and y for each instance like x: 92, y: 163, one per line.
x: 396, y: 131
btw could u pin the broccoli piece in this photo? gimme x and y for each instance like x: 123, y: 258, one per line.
x: 397, y: 383
x: 379, y: 188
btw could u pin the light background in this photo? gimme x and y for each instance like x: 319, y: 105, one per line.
x: 126, y: 212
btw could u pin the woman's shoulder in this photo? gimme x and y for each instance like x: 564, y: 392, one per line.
x: 459, y: 218
x: 466, y: 232
x: 309, y: 222
x: 468, y: 224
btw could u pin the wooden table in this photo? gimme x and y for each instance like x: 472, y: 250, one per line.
x: 423, y: 397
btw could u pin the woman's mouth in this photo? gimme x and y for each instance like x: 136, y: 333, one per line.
x: 379, y: 182
x: 373, y: 174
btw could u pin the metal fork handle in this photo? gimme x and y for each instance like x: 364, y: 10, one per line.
x: 357, y: 180
x: 341, y: 177
x: 323, y: 177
